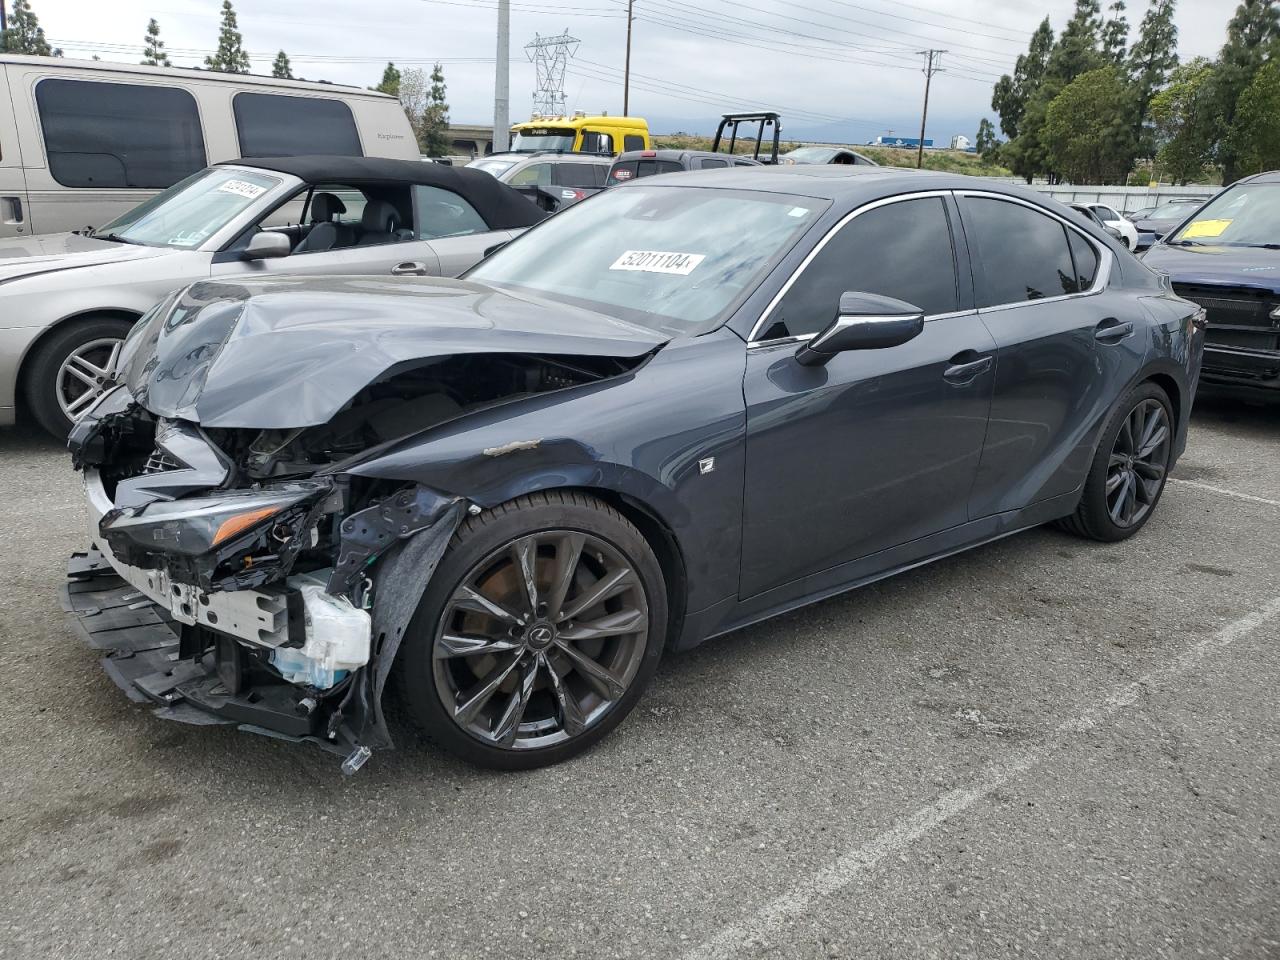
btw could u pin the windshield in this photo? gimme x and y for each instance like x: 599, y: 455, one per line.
x: 543, y: 138
x: 1172, y: 211
x: 808, y: 155
x: 494, y: 168
x: 190, y: 211
x: 676, y: 259
x: 1247, y: 215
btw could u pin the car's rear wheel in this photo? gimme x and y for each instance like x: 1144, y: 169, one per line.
x: 71, y: 369
x: 537, y: 634
x: 1129, y: 469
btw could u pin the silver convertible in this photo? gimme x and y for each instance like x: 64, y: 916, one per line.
x: 68, y: 300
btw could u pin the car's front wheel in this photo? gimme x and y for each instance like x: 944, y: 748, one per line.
x: 1129, y: 469
x: 72, y: 368
x: 537, y: 634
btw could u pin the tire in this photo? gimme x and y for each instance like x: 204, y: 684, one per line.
x: 44, y: 381
x: 563, y: 700
x: 1096, y: 516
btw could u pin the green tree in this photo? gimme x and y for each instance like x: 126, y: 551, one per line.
x: 24, y: 33
x: 1115, y: 34
x: 231, y: 56
x: 390, y: 83
x: 985, y: 142
x: 1183, y: 118
x: 1076, y: 51
x: 433, y: 131
x: 280, y: 67
x: 1251, y: 35
x: 1151, y: 59
x: 1012, y: 93
x: 1087, y: 135
x: 1255, y: 135
x: 153, y: 54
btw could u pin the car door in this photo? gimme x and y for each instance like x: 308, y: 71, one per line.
x: 453, y: 229
x: 15, y: 206
x: 1063, y: 340
x: 877, y: 447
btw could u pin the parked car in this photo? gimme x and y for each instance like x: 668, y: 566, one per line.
x: 638, y: 164
x: 551, y: 180
x: 1226, y: 258
x: 1166, y: 216
x: 71, y: 299
x: 837, y: 155
x: 1110, y: 218
x: 686, y: 405
x: 1087, y: 213
x: 1135, y: 215
x: 84, y: 141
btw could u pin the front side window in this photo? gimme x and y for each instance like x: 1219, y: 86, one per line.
x: 580, y: 174
x: 900, y: 250
x: 657, y: 256
x: 271, y: 125
x: 190, y: 212
x: 534, y: 175
x: 1106, y: 213
x: 1024, y: 254
x: 117, y: 135
x: 442, y: 213
x: 593, y: 141
x: 1246, y: 215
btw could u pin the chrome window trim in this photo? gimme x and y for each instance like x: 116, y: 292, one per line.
x: 1105, y: 257
x: 818, y: 248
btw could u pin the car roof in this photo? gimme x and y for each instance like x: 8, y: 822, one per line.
x: 675, y: 154
x: 831, y: 181
x: 499, y: 205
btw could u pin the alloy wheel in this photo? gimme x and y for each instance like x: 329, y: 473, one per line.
x: 87, y: 373
x: 1139, y: 461
x: 540, y: 640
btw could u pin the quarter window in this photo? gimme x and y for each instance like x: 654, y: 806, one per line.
x: 900, y: 250
x: 1085, y: 258
x: 1024, y: 255
x: 119, y: 134
x: 271, y: 125
x: 442, y: 213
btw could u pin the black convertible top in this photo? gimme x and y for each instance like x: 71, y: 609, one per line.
x: 502, y: 207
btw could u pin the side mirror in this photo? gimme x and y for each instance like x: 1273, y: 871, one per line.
x: 267, y: 246
x: 866, y: 321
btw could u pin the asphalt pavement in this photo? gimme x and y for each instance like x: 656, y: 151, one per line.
x: 1045, y: 748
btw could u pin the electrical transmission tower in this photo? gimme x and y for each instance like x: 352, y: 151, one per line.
x: 550, y: 57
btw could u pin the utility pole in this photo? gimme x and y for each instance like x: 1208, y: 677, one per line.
x: 626, y: 74
x: 932, y: 59
x: 4, y: 18
x: 502, y: 81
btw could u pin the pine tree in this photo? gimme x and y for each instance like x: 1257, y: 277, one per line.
x: 433, y: 138
x: 280, y: 67
x: 1154, y: 54
x: 153, y: 54
x: 1115, y: 34
x: 1076, y: 51
x: 1011, y: 93
x: 1251, y: 35
x: 231, y: 56
x: 24, y: 33
x: 985, y: 142
x: 390, y: 83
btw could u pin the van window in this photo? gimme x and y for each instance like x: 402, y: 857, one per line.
x: 119, y: 134
x: 271, y: 125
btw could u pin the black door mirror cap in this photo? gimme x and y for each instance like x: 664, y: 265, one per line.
x: 866, y: 321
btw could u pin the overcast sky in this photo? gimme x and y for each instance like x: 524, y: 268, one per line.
x: 844, y: 69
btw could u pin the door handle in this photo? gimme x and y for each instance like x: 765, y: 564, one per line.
x: 410, y: 268
x: 966, y: 366
x: 15, y: 209
x: 1112, y: 330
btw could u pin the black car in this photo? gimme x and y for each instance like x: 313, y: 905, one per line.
x: 836, y: 155
x: 692, y: 403
x: 1226, y: 257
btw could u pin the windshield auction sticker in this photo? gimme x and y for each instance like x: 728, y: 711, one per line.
x: 658, y: 261
x: 242, y: 188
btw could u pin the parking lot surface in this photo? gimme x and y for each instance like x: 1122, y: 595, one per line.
x: 1044, y: 747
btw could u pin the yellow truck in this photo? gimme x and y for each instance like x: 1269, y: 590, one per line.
x: 580, y: 134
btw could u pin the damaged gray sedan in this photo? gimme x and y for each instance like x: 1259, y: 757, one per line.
x: 689, y: 404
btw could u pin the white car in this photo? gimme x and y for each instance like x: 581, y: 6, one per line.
x: 1109, y: 216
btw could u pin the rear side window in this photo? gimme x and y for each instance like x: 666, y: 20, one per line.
x: 1085, y: 258
x: 1024, y: 254
x: 707, y: 163
x: 270, y: 125
x: 580, y: 174
x: 442, y: 213
x: 649, y: 168
x: 622, y: 172
x: 632, y: 141
x: 119, y: 134
x: 900, y: 250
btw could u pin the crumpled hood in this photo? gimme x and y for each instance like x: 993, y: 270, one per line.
x: 28, y: 256
x: 284, y: 353
x: 1230, y: 266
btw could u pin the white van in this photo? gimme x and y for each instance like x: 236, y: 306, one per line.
x: 83, y: 141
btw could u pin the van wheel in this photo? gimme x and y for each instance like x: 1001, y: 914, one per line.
x: 72, y: 368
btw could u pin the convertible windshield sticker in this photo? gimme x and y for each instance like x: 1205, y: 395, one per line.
x: 242, y: 188
x: 658, y: 261
x: 1205, y: 228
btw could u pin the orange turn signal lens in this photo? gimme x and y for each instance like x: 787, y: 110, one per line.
x: 242, y: 522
